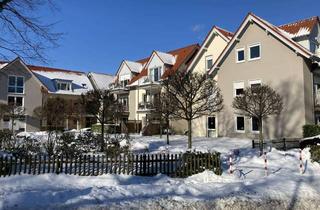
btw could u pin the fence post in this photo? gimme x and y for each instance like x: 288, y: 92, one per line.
x: 144, y: 164
x: 301, y: 162
x: 1, y: 165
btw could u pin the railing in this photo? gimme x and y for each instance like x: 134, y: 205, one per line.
x: 145, y: 106
x: 282, y: 144
x: 174, y: 165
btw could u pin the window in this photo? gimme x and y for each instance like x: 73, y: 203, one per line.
x: 255, y: 83
x: 254, y: 124
x: 211, y: 123
x: 15, y: 100
x: 240, y: 55
x: 16, y: 84
x: 155, y: 74
x: 240, y: 123
x: 209, y: 62
x: 238, y: 88
x: 124, y: 83
x: 63, y: 85
x: 254, y: 52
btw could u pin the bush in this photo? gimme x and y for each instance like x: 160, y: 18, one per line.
x: 117, y: 144
x: 67, y: 145
x: 107, y: 128
x: 311, y: 130
x: 315, y: 153
x: 5, y: 138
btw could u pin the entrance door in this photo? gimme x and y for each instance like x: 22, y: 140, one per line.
x: 211, y: 126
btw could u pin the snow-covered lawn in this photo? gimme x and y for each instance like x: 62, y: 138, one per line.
x: 283, y: 188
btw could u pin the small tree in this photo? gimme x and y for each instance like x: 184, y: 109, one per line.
x: 102, y: 105
x: 14, y: 112
x: 193, y: 95
x: 55, y: 111
x: 164, y: 106
x: 259, y: 101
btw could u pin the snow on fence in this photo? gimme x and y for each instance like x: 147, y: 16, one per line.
x: 283, y: 144
x: 174, y: 165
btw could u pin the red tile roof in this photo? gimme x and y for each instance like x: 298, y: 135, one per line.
x: 224, y: 32
x: 49, y: 69
x: 295, y: 27
x: 183, y: 56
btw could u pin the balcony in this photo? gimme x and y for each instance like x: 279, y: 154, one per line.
x: 146, y: 106
x: 119, y: 88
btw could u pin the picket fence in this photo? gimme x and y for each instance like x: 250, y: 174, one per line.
x: 174, y: 165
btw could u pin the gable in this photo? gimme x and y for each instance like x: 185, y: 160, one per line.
x: 124, y: 71
x: 155, y: 61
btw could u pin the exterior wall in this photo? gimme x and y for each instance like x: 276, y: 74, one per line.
x: 32, y: 96
x: 155, y: 62
x: 278, y: 67
x: 124, y: 71
x: 214, y: 48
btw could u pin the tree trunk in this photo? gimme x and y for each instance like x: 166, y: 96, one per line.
x: 167, y: 131
x: 189, y: 134
x: 260, y: 136
x: 102, y: 136
x: 160, y: 127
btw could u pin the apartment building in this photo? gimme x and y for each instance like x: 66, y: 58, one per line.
x: 212, y: 46
x: 31, y: 86
x: 285, y: 57
x: 138, y: 84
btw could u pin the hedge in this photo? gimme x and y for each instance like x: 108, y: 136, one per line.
x: 107, y: 128
x: 311, y: 130
x: 315, y: 153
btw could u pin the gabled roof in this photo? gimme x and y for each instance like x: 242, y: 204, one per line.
x: 274, y: 30
x: 166, y: 57
x: 134, y: 66
x: 100, y: 81
x: 224, y: 34
x: 182, y: 55
x: 300, y: 27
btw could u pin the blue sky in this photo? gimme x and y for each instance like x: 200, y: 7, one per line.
x: 99, y: 34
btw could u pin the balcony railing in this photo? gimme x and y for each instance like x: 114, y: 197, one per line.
x: 146, y: 106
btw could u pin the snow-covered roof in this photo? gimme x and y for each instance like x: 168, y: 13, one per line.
x: 80, y: 81
x: 300, y: 27
x: 3, y: 65
x: 166, y: 57
x: 100, y: 81
x: 134, y: 66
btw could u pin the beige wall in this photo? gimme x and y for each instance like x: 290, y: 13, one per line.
x: 215, y: 46
x: 278, y: 67
x: 32, y: 92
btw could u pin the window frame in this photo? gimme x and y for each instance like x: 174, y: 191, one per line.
x: 151, y: 73
x: 251, y: 125
x: 235, y: 84
x: 236, y: 124
x: 215, y: 123
x: 68, y: 84
x: 16, y: 84
x: 249, y: 52
x: 207, y: 58
x: 244, y: 55
x: 15, y: 99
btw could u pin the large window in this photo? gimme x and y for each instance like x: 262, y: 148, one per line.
x: 254, y: 124
x: 240, y: 123
x: 209, y: 62
x: 254, y: 52
x: 240, y: 55
x: 15, y: 100
x: 238, y: 88
x: 16, y: 84
x: 155, y: 74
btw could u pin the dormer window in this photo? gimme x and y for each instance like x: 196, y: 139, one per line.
x: 209, y: 62
x: 61, y: 85
x: 155, y: 74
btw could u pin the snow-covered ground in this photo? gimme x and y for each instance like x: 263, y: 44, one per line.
x: 247, y: 188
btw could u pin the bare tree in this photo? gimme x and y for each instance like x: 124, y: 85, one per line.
x: 14, y: 112
x: 103, y: 105
x: 164, y: 106
x: 193, y: 95
x: 22, y: 33
x: 259, y: 101
x: 55, y: 111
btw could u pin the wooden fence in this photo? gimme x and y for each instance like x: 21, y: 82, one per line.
x: 282, y: 144
x: 174, y: 165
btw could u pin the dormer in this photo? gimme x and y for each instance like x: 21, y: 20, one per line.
x: 157, y: 65
x: 64, y: 85
x: 126, y: 71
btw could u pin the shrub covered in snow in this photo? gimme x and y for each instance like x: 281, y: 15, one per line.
x: 117, y: 144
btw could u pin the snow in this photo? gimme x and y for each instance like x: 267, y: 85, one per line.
x: 166, y: 58
x: 102, y: 81
x: 134, y: 66
x: 247, y: 188
x: 78, y: 79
